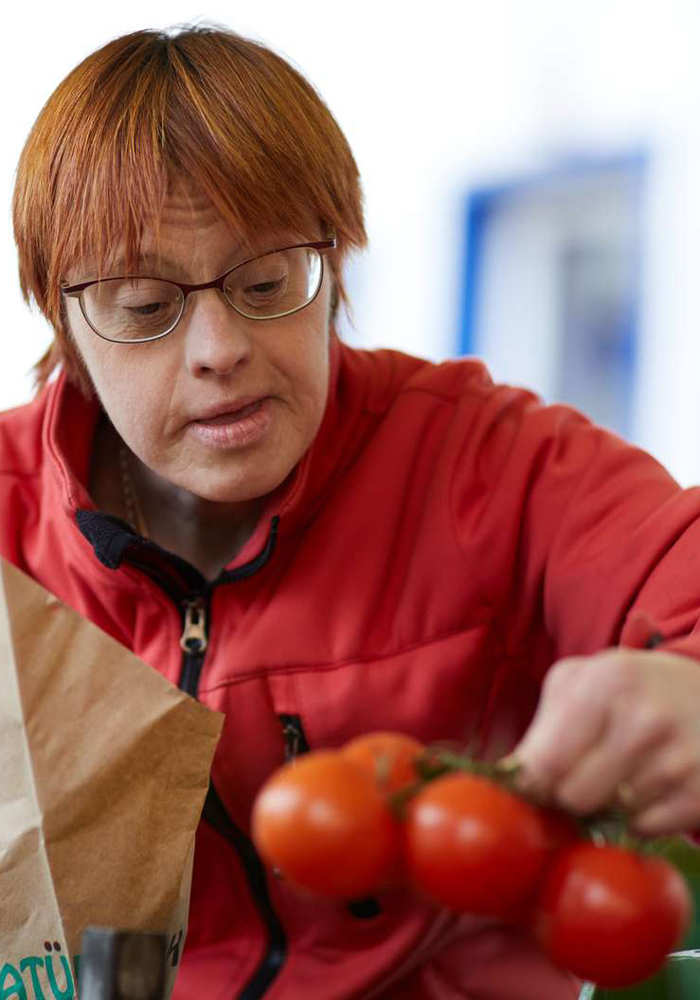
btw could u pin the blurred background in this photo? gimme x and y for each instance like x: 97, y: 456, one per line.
x: 531, y: 174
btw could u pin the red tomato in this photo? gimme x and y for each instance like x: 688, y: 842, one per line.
x: 389, y: 757
x: 473, y: 846
x: 323, y: 822
x: 560, y: 830
x: 610, y: 915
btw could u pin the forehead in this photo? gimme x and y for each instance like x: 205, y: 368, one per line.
x: 189, y: 241
x: 188, y: 230
x: 185, y: 205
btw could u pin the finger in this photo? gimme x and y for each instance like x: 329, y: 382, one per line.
x: 678, y: 813
x: 662, y: 772
x: 570, y: 718
x: 633, y: 734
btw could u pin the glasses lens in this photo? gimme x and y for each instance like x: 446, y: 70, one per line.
x: 275, y: 284
x: 129, y: 309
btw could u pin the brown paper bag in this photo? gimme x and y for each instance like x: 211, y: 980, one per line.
x: 104, y: 767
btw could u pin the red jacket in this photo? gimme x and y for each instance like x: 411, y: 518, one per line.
x: 443, y: 541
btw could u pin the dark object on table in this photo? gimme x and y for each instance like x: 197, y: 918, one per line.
x: 122, y: 965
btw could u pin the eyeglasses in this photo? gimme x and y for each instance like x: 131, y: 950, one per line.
x: 133, y: 310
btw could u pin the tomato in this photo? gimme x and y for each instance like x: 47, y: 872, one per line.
x: 472, y: 845
x: 560, y: 830
x: 389, y: 757
x: 610, y: 915
x: 324, y: 823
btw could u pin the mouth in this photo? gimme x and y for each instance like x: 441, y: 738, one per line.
x: 219, y: 416
x: 236, y: 425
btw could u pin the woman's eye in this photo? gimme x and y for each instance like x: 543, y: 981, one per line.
x: 263, y: 288
x: 148, y: 309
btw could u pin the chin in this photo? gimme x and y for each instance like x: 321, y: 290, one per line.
x: 224, y: 491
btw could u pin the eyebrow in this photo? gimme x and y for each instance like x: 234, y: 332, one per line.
x: 158, y: 262
x: 117, y: 267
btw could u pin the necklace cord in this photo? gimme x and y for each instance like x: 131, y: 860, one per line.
x: 134, y: 513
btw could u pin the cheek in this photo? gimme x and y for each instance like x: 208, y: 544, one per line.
x: 127, y: 388
x: 125, y: 398
x: 307, y: 369
x: 304, y: 354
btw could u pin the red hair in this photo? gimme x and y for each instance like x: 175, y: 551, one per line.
x: 226, y: 112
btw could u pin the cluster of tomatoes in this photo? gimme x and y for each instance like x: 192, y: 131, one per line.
x: 384, y: 810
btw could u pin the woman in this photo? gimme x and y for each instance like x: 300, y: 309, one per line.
x: 314, y: 540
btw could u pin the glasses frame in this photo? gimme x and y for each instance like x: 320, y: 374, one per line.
x: 76, y: 291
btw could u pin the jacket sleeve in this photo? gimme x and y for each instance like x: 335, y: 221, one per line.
x: 569, y: 529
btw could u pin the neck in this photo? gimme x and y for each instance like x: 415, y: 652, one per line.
x: 206, y: 534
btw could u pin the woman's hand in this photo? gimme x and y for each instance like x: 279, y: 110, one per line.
x: 619, y: 727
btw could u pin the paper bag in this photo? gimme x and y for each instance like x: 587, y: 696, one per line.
x: 104, y: 767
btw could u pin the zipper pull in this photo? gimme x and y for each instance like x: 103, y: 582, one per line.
x: 294, y: 738
x: 194, y: 634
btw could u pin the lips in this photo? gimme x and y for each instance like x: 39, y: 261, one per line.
x: 226, y: 412
x: 225, y: 417
x: 238, y: 425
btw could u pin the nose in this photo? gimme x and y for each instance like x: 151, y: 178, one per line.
x: 216, y: 338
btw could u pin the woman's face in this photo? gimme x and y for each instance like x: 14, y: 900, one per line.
x: 223, y: 407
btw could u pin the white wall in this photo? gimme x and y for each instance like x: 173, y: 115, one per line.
x: 435, y: 97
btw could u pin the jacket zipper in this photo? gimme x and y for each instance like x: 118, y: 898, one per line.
x: 294, y: 737
x: 194, y: 642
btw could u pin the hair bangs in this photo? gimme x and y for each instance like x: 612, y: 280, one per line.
x: 230, y: 117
